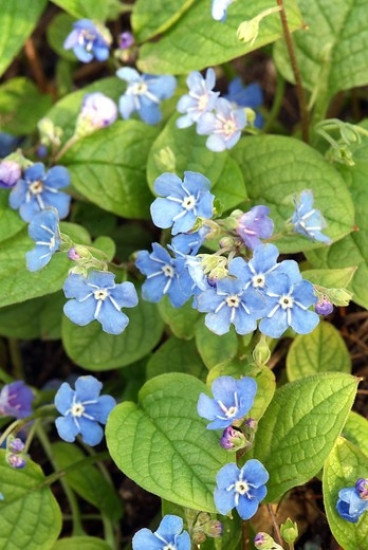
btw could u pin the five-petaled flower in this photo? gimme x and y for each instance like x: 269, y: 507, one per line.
x: 83, y: 410
x: 38, y: 190
x: 307, y: 220
x: 223, y: 127
x: 16, y: 400
x: 241, y: 488
x: 183, y: 202
x: 200, y: 98
x: 98, y: 297
x: 353, y: 501
x: 88, y: 41
x: 44, y: 230
x: 169, y: 536
x: 232, y: 401
x: 250, y: 96
x: 255, y: 225
x: 144, y: 94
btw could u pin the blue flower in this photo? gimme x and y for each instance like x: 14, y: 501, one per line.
x: 38, y: 190
x: 144, y: 94
x: 44, y: 230
x: 184, y: 201
x: 287, y: 306
x: 199, y: 100
x: 189, y: 243
x: 306, y: 220
x: 361, y: 487
x: 246, y: 96
x: 88, y: 41
x: 253, y: 225
x: 232, y: 401
x: 223, y: 127
x: 169, y: 536
x: 230, y: 303
x: 350, y: 505
x: 10, y: 173
x: 242, y: 488
x: 165, y: 275
x: 83, y: 410
x: 98, y: 297
x: 16, y: 400
x: 218, y: 9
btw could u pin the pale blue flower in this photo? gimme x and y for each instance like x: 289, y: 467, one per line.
x: 219, y: 8
x: 246, y: 96
x: 200, y: 98
x: 44, y: 230
x: 255, y: 225
x: 307, y: 220
x: 350, y: 505
x: 223, y: 127
x: 88, y: 41
x: 168, y: 536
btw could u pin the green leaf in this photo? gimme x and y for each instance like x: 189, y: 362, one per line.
x: 323, y: 350
x: 353, y: 249
x: 330, y: 278
x: 96, y: 350
x: 108, y: 168
x: 317, y: 405
x: 21, y: 106
x: 81, y: 543
x: 276, y: 167
x: 90, y: 9
x: 215, y: 349
x: 29, y: 514
x: 188, y: 151
x: 57, y: 31
x: 342, y: 469
x: 332, y: 51
x: 198, y: 41
x: 151, y: 18
x: 87, y: 481
x: 176, y: 355
x: 17, y: 21
x: 10, y: 221
x: 356, y: 431
x: 165, y: 423
x: 181, y: 320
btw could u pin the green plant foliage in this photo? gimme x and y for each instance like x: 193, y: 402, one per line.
x: 152, y: 18
x: 182, y: 321
x: 330, y: 278
x: 317, y: 405
x: 215, y: 349
x: 10, y: 221
x: 166, y: 423
x: 96, y: 350
x: 17, y: 21
x: 345, y: 464
x: 341, y: 62
x: 176, y: 355
x: 108, y: 167
x: 90, y: 9
x: 199, y: 41
x: 57, y: 31
x: 322, y: 350
x: 29, y: 514
x: 187, y: 151
x: 21, y: 106
x: 87, y: 481
x: 273, y: 165
x: 356, y: 431
x: 81, y: 543
x: 353, y: 249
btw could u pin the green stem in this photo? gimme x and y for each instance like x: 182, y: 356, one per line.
x: 304, y: 115
x: 30, y: 435
x: 77, y: 525
x: 16, y: 359
x: 66, y: 147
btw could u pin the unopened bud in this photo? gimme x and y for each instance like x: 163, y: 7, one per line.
x: 362, y: 488
x: 73, y: 254
x: 16, y: 461
x: 248, y: 30
x: 15, y: 445
x: 323, y: 306
x: 340, y: 296
x: 263, y: 541
x: 126, y: 40
x: 289, y: 531
x: 262, y: 352
x: 10, y: 173
x: 98, y: 111
x: 166, y: 159
x: 233, y: 439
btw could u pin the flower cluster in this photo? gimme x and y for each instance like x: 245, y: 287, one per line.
x: 353, y: 501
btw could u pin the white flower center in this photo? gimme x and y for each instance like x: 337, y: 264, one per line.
x: 202, y: 102
x: 77, y: 409
x: 286, y: 302
x: 229, y: 127
x: 169, y: 547
x: 233, y: 300
x: 189, y: 202
x: 231, y: 412
x: 241, y: 487
x: 168, y: 270
x: 101, y: 294
x: 140, y: 88
x: 258, y: 281
x: 36, y: 187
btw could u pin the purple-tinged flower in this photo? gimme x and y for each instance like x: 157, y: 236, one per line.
x: 10, y: 173
x: 307, y: 220
x: 88, y: 41
x: 199, y: 100
x: 169, y: 536
x: 287, y: 305
x: 38, y: 190
x: 16, y: 461
x: 232, y: 439
x: 98, y: 111
x: 250, y: 96
x: 361, y: 487
x: 263, y: 541
x: 242, y: 488
x: 15, y: 445
x: 165, y: 275
x: 144, y: 94
x: 232, y: 401
x: 350, y: 505
x: 219, y: 8
x: 255, y: 225
x: 126, y: 40
x: 223, y: 127
x: 183, y: 202
x: 73, y: 254
x: 16, y: 400
x: 83, y: 410
x: 230, y: 304
x: 42, y: 151
x: 44, y: 230
x: 97, y: 297
x: 324, y: 306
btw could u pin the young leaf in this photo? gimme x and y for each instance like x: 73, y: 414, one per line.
x: 165, y: 423
x: 152, y: 18
x: 300, y: 427
x: 356, y: 431
x: 182, y: 321
x: 215, y: 349
x: 176, y: 355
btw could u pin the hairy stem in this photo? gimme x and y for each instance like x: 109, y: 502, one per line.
x: 275, y: 525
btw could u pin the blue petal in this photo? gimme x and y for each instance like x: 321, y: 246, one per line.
x: 127, y: 106
x: 60, y: 201
x: 275, y: 326
x: 75, y: 286
x: 28, y: 210
x: 125, y: 294
x: 47, y: 218
x: 66, y: 428
x: 163, y: 212
x: 207, y: 407
x: 170, y: 525
x: 112, y: 320
x: 216, y: 144
x: 153, y: 289
x: 101, y: 53
x: 224, y: 501
x: 18, y: 194
x: 81, y: 53
x: 101, y: 410
x: 101, y: 279
x: 146, y: 540
x: 81, y: 313
x: 303, y: 321
x: 224, y: 388
x: 219, y: 323
x: 183, y: 541
x: 57, y: 177
x: 184, y: 122
x: 35, y: 172
x: 87, y: 388
x: 162, y: 87
x: 244, y: 323
x: 91, y: 432
x: 129, y: 75
x: 64, y: 398
x: 194, y: 182
x: 37, y: 258
x: 168, y: 184
x: 150, y: 113
x: 71, y: 40
x: 247, y: 507
x: 255, y: 473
